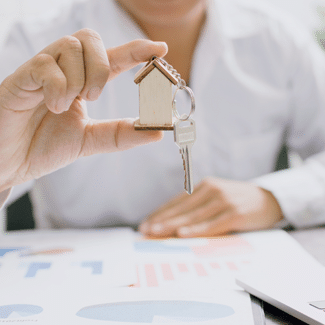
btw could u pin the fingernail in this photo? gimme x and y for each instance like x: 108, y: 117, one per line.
x: 157, y: 228
x: 60, y: 106
x: 93, y: 93
x: 184, y: 230
x: 144, y: 228
x: 177, y: 222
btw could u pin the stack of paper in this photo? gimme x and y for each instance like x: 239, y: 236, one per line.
x: 118, y: 277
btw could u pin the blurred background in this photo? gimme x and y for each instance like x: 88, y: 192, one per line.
x: 310, y: 13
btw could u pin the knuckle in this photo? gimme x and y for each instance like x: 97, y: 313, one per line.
x: 43, y: 59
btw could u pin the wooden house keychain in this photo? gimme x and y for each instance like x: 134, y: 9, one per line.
x: 158, y: 109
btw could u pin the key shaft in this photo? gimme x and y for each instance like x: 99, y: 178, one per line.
x: 184, y: 137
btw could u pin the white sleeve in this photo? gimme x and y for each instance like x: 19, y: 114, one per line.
x: 301, y: 191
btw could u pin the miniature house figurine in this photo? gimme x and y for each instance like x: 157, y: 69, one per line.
x: 155, y: 94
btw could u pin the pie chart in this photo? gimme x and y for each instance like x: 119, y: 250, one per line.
x: 151, y: 312
x: 19, y: 311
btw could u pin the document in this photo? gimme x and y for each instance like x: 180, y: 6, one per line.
x: 76, y: 277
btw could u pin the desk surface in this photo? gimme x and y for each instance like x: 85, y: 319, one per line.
x: 313, y: 240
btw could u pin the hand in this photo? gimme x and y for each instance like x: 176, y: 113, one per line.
x: 43, y: 117
x: 216, y: 207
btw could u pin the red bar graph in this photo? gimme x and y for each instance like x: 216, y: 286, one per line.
x: 232, y: 266
x: 215, y: 266
x: 167, y: 272
x: 151, y: 275
x: 182, y: 267
x: 200, y: 270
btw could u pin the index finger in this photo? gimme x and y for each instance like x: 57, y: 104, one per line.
x: 129, y: 55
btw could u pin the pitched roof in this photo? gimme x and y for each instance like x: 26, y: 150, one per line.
x: 154, y: 63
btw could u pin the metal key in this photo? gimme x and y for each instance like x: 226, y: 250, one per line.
x: 185, y: 137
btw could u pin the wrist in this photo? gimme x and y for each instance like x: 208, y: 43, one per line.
x: 272, y: 208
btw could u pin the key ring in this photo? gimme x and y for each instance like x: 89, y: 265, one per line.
x: 180, y: 86
x: 184, y: 117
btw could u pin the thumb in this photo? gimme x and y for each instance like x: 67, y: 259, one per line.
x: 114, y: 135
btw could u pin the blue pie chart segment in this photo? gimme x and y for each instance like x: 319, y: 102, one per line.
x: 19, y: 311
x: 151, y: 311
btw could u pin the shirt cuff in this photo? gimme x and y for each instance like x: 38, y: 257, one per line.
x: 300, y: 193
x: 3, y: 197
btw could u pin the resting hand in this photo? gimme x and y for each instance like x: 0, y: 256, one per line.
x: 216, y: 207
x: 43, y: 117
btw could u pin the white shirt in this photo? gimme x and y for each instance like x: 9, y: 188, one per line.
x: 259, y: 82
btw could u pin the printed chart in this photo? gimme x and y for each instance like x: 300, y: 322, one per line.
x: 162, y: 274
x: 157, y: 311
x: 170, y: 261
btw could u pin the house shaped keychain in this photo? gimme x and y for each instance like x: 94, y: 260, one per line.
x: 155, y: 96
x: 158, y: 105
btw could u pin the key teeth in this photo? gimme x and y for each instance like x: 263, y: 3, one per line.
x: 185, y: 182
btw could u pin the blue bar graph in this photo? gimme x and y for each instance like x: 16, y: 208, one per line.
x: 35, y: 267
x: 96, y: 266
x: 4, y: 251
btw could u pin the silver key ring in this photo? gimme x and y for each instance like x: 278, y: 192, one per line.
x: 184, y: 117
